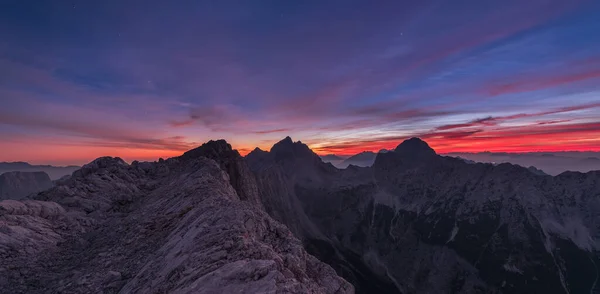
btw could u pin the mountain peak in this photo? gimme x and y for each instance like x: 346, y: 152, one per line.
x: 212, y: 149
x: 415, y: 147
x: 286, y: 149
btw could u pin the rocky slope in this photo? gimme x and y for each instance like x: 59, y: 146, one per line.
x: 191, y: 224
x: 416, y: 222
x: 17, y: 185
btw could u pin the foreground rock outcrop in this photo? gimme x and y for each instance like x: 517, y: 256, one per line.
x: 190, y: 224
x: 417, y: 222
x: 17, y: 185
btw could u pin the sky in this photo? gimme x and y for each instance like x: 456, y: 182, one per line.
x: 149, y: 79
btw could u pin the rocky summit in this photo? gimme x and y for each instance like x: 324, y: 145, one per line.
x: 190, y: 224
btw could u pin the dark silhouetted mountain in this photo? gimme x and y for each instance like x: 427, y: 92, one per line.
x: 18, y: 185
x: 415, y: 147
x: 417, y: 222
x: 181, y: 225
x: 54, y: 172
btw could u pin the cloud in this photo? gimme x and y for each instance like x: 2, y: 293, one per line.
x: 404, y: 69
x: 486, y: 121
x: 85, y: 127
x: 528, y: 84
x: 272, y: 131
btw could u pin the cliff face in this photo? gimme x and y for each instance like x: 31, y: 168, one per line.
x: 17, y: 185
x: 181, y: 225
x: 417, y: 222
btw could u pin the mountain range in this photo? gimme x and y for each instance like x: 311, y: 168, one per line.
x: 54, y: 172
x: 285, y: 221
x: 365, y: 158
x: 418, y: 222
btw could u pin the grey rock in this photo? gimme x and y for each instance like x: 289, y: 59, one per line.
x: 112, y: 276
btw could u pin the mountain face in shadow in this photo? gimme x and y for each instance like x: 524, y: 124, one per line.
x: 417, y: 222
x: 54, y: 172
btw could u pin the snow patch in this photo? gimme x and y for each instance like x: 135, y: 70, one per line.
x: 511, y: 268
x: 394, y: 202
x: 453, y: 234
x: 372, y: 258
x: 572, y: 229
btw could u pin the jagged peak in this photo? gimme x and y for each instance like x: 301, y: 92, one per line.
x: 287, y: 148
x: 212, y: 149
x: 415, y: 147
x: 287, y: 139
x: 105, y: 162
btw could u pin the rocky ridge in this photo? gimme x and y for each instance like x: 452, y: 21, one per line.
x: 190, y: 224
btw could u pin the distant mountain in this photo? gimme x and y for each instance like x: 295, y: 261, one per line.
x: 17, y: 185
x: 552, y: 163
x: 417, y: 222
x: 365, y: 158
x: 332, y: 157
x: 54, y: 172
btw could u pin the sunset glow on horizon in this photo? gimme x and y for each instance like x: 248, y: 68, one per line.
x: 79, y: 81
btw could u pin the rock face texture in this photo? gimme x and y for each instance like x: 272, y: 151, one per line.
x: 17, y: 185
x: 417, y: 222
x: 191, y: 224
